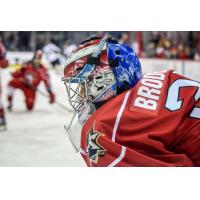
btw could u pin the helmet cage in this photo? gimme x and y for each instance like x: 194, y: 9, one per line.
x: 76, y: 99
x: 76, y: 91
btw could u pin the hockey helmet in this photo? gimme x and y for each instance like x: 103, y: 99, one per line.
x: 37, y: 58
x: 101, y: 68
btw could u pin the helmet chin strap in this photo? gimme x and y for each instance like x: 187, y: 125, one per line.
x: 83, y: 115
x: 67, y: 129
x: 86, y: 109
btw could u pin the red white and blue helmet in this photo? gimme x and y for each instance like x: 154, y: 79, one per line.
x: 103, y: 67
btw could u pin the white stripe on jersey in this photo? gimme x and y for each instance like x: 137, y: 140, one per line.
x: 121, y: 156
x: 83, y: 152
x: 119, y: 116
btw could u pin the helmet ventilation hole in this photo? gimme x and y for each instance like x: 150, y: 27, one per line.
x: 117, y: 52
x: 98, y: 77
x: 100, y: 88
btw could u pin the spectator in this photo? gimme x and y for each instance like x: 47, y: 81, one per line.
x: 181, y: 52
x: 173, y: 52
x: 126, y: 38
x: 190, y: 52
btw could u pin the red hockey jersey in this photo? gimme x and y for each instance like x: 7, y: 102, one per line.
x: 33, y: 75
x: 157, y: 123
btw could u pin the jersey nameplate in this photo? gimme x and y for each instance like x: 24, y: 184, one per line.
x: 148, y: 93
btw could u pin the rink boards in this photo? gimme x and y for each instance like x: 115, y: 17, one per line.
x: 185, y: 67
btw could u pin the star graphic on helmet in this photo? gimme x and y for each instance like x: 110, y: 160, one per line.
x: 94, y: 149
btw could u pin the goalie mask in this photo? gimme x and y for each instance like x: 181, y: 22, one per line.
x: 99, y: 69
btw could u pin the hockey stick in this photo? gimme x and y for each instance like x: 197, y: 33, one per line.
x: 56, y: 102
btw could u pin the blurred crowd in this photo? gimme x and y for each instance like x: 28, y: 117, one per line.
x: 156, y: 44
x: 164, y: 45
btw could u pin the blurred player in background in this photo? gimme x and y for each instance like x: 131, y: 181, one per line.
x: 52, y: 53
x: 129, y: 119
x: 3, y: 64
x: 27, y: 79
x: 68, y: 48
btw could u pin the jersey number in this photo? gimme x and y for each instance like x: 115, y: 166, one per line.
x: 173, y: 103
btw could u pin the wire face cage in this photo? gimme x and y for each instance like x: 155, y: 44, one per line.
x: 76, y: 91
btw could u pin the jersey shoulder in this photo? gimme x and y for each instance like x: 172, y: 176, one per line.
x: 164, y: 91
x: 149, y: 93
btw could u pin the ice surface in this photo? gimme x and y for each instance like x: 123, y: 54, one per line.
x: 37, y: 138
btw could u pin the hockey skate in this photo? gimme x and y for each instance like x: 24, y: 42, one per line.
x: 2, y: 123
x: 9, y: 107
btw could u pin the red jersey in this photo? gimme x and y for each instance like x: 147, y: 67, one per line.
x: 157, y: 123
x: 33, y: 75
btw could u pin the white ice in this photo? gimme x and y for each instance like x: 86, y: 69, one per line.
x: 37, y: 138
